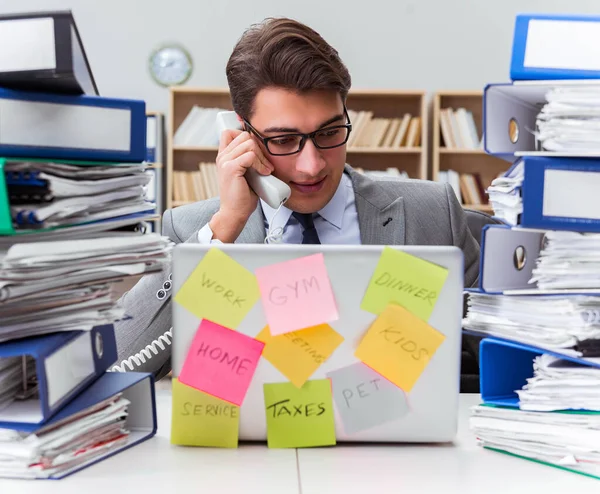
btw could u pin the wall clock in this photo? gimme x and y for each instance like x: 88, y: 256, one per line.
x: 170, y: 65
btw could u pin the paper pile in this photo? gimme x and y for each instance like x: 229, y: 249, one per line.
x: 66, y: 285
x: 570, y: 120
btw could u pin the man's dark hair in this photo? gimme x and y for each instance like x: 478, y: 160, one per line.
x: 283, y: 53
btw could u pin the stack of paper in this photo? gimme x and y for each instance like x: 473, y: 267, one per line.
x: 565, y: 439
x: 63, y: 445
x: 570, y: 120
x: 505, y: 194
x: 550, y: 322
x: 559, y: 384
x: 47, y: 194
x: 66, y: 285
x: 568, y: 260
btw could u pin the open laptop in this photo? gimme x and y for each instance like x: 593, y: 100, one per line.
x: 432, y: 403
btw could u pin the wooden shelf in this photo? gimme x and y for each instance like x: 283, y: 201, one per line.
x: 384, y: 103
x: 444, y: 150
x: 486, y: 208
x: 356, y: 150
x: 463, y: 160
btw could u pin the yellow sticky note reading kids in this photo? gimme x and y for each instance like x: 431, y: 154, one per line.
x: 399, y: 345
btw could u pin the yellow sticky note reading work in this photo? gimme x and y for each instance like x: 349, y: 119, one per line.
x: 202, y: 420
x: 220, y: 290
x: 300, y: 353
x: 399, y: 346
x: 406, y: 280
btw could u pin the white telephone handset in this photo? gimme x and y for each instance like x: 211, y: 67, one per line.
x: 269, y: 188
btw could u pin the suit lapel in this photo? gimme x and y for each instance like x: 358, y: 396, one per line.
x: 254, y: 231
x: 380, y: 216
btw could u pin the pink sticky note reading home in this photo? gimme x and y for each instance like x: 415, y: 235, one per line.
x: 296, y: 294
x: 221, y: 362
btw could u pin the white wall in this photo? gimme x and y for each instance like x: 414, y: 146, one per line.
x: 412, y: 44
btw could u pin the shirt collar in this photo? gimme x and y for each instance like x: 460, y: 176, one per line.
x: 332, y: 212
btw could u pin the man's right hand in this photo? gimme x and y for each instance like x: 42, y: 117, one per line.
x: 237, y: 152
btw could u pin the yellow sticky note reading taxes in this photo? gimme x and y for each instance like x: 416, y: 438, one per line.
x: 202, y: 420
x: 298, y: 354
x: 399, y: 346
x: 220, y: 290
x: 406, y: 280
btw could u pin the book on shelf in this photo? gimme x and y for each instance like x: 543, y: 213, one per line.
x: 195, y: 185
x: 458, y: 129
x: 376, y: 132
x: 468, y: 187
x: 199, y: 128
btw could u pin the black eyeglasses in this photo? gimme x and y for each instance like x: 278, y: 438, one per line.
x: 286, y: 144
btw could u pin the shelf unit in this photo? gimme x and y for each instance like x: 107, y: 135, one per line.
x: 383, y: 104
x: 156, y: 159
x: 473, y: 161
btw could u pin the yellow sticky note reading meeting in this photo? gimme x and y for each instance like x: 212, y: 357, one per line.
x: 406, y: 280
x: 399, y: 346
x: 202, y: 420
x: 220, y: 290
x: 298, y: 354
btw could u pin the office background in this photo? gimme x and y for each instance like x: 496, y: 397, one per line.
x: 405, y: 44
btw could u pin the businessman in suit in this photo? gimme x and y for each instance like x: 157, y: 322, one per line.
x: 288, y: 88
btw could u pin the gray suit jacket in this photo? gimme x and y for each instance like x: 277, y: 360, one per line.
x: 422, y: 212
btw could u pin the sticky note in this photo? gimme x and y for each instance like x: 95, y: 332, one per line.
x: 300, y: 353
x: 399, y: 346
x: 221, y: 362
x: 406, y: 280
x: 219, y: 289
x: 365, y: 399
x: 199, y: 419
x: 296, y: 294
x: 299, y: 417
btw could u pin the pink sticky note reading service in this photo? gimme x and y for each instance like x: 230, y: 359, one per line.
x: 221, y: 362
x: 296, y: 294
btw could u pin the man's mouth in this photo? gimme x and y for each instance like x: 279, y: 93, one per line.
x: 309, y: 186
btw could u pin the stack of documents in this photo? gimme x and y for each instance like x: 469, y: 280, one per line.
x: 570, y: 323
x: 568, y: 260
x: 66, y: 285
x: 47, y: 194
x: 505, y: 194
x: 559, y: 384
x: 63, y: 445
x: 569, y: 440
x: 570, y: 120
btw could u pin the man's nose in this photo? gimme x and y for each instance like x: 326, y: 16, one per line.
x: 310, y: 161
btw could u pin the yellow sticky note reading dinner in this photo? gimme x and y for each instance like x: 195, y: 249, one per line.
x: 399, y: 346
x: 202, y: 420
x: 298, y: 354
x: 406, y: 280
x: 220, y: 290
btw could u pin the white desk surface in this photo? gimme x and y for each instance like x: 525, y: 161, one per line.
x: 156, y: 466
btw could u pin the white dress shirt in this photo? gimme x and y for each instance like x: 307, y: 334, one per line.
x: 336, y: 223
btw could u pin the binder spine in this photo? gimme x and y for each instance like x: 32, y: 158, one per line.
x: 6, y: 227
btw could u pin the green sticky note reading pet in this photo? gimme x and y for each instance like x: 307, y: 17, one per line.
x: 405, y: 280
x: 299, y: 417
x: 200, y: 419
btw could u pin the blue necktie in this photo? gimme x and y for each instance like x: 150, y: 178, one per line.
x: 309, y: 235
